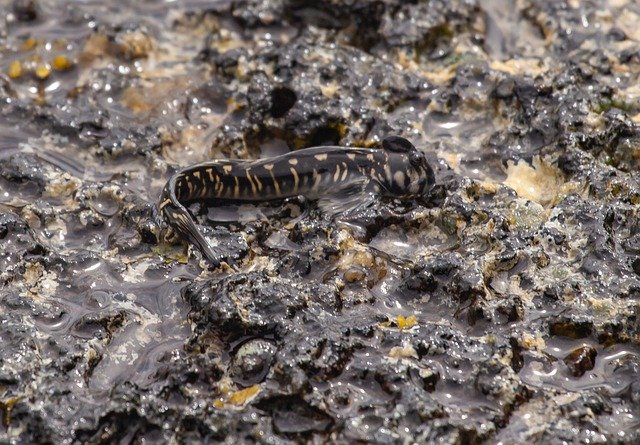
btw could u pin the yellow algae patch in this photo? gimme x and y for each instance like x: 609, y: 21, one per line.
x: 61, y: 63
x: 243, y: 396
x: 42, y: 71
x: 406, y: 322
x: 238, y: 398
x: 6, y: 406
x: 29, y: 44
x: 15, y: 69
x: 540, y: 183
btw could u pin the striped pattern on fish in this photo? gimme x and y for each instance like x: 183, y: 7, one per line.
x: 396, y: 170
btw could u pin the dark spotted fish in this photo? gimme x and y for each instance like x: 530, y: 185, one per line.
x: 396, y: 170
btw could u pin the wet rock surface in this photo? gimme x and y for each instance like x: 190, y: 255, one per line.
x: 502, y: 307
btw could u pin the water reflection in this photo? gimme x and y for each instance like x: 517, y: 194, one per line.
x: 615, y: 368
x: 461, y: 141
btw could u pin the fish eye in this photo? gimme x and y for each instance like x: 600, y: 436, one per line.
x: 416, y: 159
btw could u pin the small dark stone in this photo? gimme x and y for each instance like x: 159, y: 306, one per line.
x: 23, y: 169
x: 636, y: 266
x: 421, y: 282
x: 104, y: 339
x: 282, y: 99
x: 571, y: 329
x: 293, y: 415
x: 511, y: 310
x: 325, y: 136
x: 148, y: 232
x: 581, y: 360
x: 617, y: 34
x: 25, y: 10
x: 426, y: 379
x: 505, y: 88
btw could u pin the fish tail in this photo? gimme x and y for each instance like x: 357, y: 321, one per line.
x: 177, y: 216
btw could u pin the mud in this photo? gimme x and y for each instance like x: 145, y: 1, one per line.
x: 502, y: 308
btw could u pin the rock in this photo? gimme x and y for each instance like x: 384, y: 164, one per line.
x: 501, y: 307
x: 581, y: 360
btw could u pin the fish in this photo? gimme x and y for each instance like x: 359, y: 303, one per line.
x: 397, y: 170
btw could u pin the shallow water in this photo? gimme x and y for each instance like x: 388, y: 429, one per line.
x: 463, y: 312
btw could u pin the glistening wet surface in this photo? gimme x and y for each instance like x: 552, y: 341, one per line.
x: 501, y: 308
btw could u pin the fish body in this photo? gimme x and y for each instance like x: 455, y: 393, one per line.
x: 396, y: 170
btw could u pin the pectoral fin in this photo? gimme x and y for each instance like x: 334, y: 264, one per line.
x: 348, y: 196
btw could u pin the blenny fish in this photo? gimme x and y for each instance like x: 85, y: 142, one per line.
x: 397, y: 170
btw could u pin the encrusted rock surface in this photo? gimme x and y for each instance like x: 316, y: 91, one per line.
x: 504, y: 307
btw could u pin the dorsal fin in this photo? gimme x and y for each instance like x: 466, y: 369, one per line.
x: 397, y: 144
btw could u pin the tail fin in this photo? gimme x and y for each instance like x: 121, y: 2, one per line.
x: 178, y: 217
x: 181, y: 221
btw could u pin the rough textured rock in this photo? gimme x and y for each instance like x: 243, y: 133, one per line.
x: 502, y: 307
